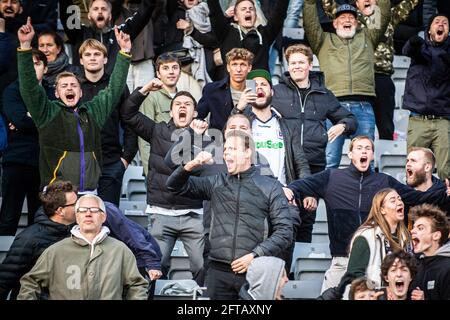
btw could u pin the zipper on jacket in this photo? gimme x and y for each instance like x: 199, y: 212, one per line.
x: 350, y: 65
x: 236, y: 218
x: 81, y: 138
x: 302, y: 111
x: 359, y: 200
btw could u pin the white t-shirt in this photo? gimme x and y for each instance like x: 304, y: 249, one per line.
x: 269, y: 142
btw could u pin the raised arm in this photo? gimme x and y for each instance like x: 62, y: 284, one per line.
x: 402, y: 10
x: 375, y: 34
x: 134, y: 25
x: 107, y: 99
x: 181, y: 181
x: 329, y: 7
x: 312, y: 26
x: 40, y: 107
x: 72, y: 27
x: 275, y: 23
x: 412, y: 197
x: 219, y: 22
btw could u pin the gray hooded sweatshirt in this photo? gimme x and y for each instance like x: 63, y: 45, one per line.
x: 263, y: 276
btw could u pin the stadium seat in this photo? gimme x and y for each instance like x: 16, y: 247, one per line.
x: 129, y: 207
x: 312, y: 267
x: 5, y: 244
x: 401, y: 119
x: 345, y: 160
x: 391, y: 157
x: 301, y: 289
x: 310, y: 250
x: 134, y: 176
x: 321, y: 211
x: 399, y: 93
x: 401, y: 66
x: 140, y: 218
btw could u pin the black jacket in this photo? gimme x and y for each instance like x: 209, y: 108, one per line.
x: 26, y: 249
x: 249, y: 212
x: 433, y: 274
x: 427, y: 87
x: 319, y: 104
x: 159, y: 135
x: 295, y: 163
x: 348, y: 195
x: 111, y: 142
x: 23, y: 143
x: 229, y: 36
x: 132, y: 26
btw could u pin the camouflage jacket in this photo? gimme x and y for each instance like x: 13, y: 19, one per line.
x: 384, y: 53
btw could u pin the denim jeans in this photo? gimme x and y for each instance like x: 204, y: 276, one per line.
x: 293, y: 14
x: 363, y: 112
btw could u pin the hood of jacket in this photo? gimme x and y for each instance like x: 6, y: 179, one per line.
x: 444, y: 251
x: 81, y: 240
x: 263, y: 276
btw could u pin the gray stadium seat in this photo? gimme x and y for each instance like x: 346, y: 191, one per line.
x: 401, y: 66
x: 321, y: 211
x: 133, y: 176
x: 140, y: 218
x: 311, y: 268
x: 5, y: 244
x: 301, y: 289
x: 401, y: 119
x: 391, y: 157
x: 309, y: 250
x: 137, y: 207
x: 399, y: 92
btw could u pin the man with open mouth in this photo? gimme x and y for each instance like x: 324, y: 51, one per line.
x: 347, y: 61
x: 244, y: 204
x: 171, y: 216
x: 348, y: 195
x: 369, y: 17
x: 398, y: 269
x: 427, y: 92
x: 69, y: 131
x: 100, y: 17
x: 243, y: 32
x: 430, y: 243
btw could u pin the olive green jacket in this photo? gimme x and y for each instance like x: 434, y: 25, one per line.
x: 384, y: 52
x: 348, y: 64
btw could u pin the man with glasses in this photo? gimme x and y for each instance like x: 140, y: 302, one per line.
x: 52, y: 224
x: 68, y: 272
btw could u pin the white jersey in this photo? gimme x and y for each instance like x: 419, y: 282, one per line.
x: 269, y: 142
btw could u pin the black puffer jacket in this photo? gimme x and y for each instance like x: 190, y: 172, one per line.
x: 159, y: 135
x: 249, y: 212
x: 26, y: 249
x: 319, y: 104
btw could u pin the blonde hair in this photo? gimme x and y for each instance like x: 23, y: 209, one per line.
x: 357, y: 138
x: 240, y: 54
x: 65, y: 74
x: 299, y: 48
x: 93, y: 44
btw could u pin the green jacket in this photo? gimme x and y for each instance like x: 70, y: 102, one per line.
x: 72, y: 269
x: 384, y: 53
x: 347, y: 64
x: 69, y: 138
x: 157, y: 107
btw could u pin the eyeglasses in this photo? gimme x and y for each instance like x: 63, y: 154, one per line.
x: 84, y: 210
x: 68, y: 205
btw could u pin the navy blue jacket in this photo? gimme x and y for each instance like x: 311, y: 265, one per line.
x: 23, y: 143
x: 427, y: 89
x: 216, y: 99
x: 348, y: 195
x: 5, y: 51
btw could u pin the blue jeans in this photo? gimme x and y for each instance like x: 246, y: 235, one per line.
x: 293, y: 14
x: 363, y: 112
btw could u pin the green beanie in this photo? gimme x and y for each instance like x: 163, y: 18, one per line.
x: 260, y: 73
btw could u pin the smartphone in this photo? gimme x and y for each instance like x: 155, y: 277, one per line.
x: 251, y: 84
